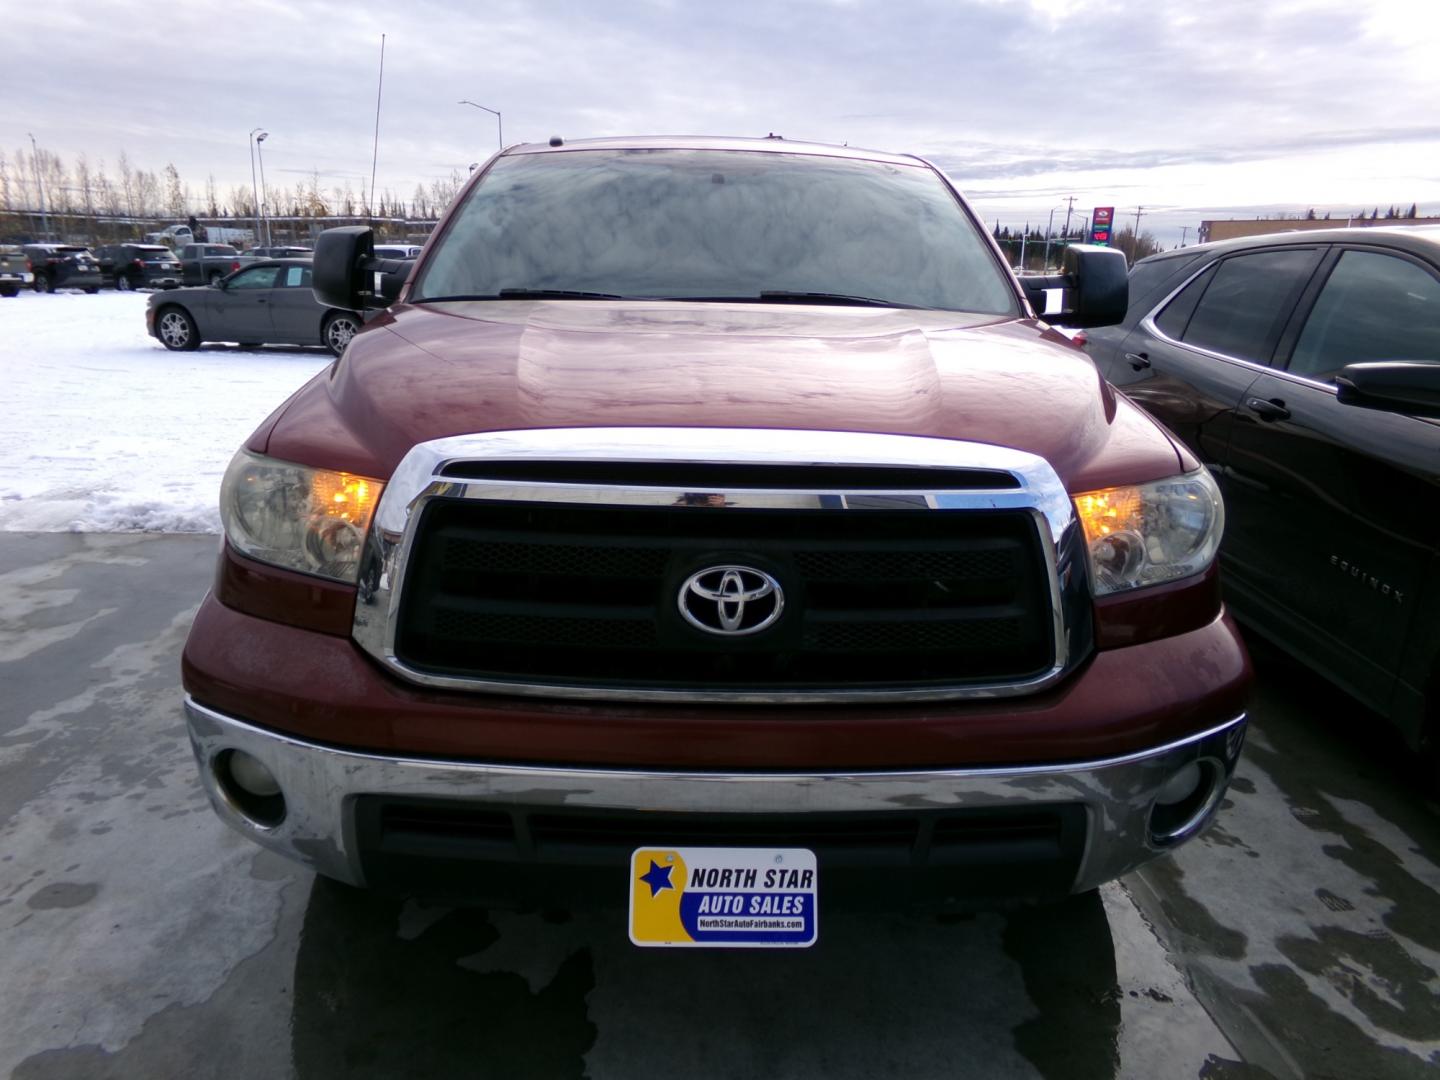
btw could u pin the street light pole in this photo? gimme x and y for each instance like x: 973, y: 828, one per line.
x: 40, y: 185
x: 499, y: 128
x: 254, y: 188
x: 1049, y: 228
x: 260, y: 153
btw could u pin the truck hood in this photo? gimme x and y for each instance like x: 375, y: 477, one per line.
x: 422, y: 372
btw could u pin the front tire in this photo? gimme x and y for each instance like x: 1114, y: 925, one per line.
x: 92, y: 289
x: 338, y: 329
x: 177, y: 330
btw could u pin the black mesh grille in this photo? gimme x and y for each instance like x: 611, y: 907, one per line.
x: 452, y: 846
x: 584, y: 594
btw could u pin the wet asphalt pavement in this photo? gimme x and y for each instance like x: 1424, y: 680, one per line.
x: 1299, y: 937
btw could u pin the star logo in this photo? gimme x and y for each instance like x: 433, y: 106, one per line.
x: 658, y: 878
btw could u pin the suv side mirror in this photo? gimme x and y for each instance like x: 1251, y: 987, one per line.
x: 1093, y: 288
x: 346, y: 274
x: 1400, y: 386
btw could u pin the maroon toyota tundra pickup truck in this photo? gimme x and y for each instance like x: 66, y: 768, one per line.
x: 715, y: 496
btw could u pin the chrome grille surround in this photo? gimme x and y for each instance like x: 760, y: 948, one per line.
x: 431, y: 470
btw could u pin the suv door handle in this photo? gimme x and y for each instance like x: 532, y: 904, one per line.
x: 1138, y: 361
x: 1268, y: 409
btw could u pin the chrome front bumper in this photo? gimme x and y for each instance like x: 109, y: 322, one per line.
x: 320, y: 783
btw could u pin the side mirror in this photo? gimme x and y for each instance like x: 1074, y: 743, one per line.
x: 1092, y: 288
x: 1400, y: 386
x: 346, y: 274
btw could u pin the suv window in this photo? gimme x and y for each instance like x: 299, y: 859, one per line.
x: 1373, y: 307
x: 707, y: 224
x: 1247, y: 300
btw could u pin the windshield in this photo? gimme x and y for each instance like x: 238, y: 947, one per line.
x: 716, y: 225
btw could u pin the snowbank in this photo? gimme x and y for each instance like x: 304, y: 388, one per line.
x: 105, y: 430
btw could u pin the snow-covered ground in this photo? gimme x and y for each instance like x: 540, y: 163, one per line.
x: 103, y: 429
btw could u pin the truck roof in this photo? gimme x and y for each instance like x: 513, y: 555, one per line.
x: 772, y: 144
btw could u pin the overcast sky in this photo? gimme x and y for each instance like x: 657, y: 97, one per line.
x: 1189, y: 109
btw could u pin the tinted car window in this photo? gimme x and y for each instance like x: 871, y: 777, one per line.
x: 296, y: 277
x: 1248, y: 299
x: 259, y: 277
x: 1149, y: 273
x: 712, y: 225
x: 1176, y: 316
x: 1373, y: 307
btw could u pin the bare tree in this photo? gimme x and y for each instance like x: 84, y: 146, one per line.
x: 1135, y: 250
x: 174, y: 194
x: 127, y: 185
x: 7, y: 185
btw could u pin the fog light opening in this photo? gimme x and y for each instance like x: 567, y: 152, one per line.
x: 1185, y: 800
x: 250, y: 788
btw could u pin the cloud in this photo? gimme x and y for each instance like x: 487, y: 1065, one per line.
x: 1003, y: 94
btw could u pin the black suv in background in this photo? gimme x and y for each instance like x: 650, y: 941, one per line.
x: 63, y: 266
x: 137, y: 266
x: 1304, y: 370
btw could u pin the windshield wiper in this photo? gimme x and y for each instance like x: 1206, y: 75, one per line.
x: 524, y: 294
x: 556, y: 294
x: 785, y: 296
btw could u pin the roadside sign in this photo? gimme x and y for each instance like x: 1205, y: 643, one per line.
x: 1100, y: 220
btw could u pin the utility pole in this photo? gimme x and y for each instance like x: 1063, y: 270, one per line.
x: 1183, y: 230
x: 1138, y: 211
x: 1069, y: 206
x: 40, y: 185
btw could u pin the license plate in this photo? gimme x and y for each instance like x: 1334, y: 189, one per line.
x: 724, y: 898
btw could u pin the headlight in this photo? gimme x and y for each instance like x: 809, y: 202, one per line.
x: 1151, y: 533
x: 310, y: 520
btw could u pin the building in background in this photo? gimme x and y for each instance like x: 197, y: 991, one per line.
x: 1233, y: 229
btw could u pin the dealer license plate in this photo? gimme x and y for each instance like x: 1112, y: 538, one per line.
x: 724, y: 898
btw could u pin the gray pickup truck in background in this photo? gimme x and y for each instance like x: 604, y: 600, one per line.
x: 14, y: 270
x: 200, y: 264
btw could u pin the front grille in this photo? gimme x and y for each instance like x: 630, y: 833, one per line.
x: 586, y: 595
x: 1031, y: 850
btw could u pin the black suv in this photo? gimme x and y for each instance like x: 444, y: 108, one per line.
x: 63, y: 266
x: 136, y: 266
x: 1304, y: 370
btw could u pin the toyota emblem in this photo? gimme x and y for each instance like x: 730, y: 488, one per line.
x: 731, y: 600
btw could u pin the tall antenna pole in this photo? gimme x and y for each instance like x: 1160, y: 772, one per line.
x: 375, y: 153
